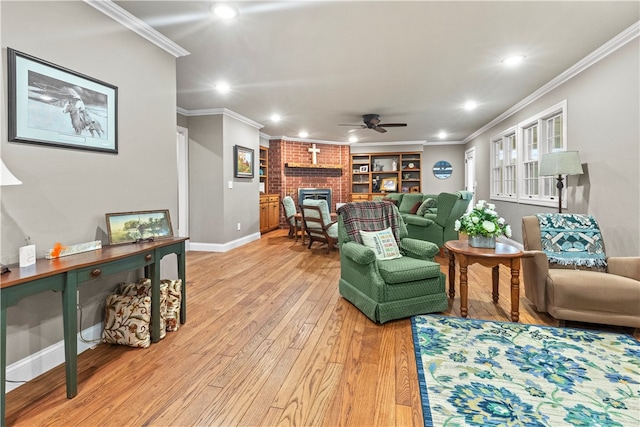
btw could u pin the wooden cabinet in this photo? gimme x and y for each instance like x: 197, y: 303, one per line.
x: 269, y: 212
x: 380, y: 173
x: 356, y: 197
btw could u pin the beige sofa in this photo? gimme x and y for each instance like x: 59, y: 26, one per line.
x: 611, y: 297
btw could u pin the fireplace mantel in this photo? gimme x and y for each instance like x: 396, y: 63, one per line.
x: 311, y: 166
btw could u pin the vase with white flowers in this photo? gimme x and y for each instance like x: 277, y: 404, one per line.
x: 483, y: 225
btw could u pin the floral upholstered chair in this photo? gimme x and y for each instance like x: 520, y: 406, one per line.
x: 318, y: 224
x: 568, y: 275
x: 295, y: 224
x: 384, y: 273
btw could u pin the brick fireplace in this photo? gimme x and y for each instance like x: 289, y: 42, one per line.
x: 291, y: 169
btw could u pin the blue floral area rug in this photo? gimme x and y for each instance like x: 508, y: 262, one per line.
x: 483, y: 373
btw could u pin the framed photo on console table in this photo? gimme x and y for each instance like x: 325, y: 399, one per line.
x: 134, y: 227
x: 243, y: 162
x: 51, y: 105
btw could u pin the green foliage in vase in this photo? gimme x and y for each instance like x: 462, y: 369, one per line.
x: 483, y: 220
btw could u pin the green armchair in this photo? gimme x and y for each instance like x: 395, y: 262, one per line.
x: 439, y: 227
x: 387, y: 289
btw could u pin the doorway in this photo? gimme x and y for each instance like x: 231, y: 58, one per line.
x: 182, y: 146
x: 470, y: 182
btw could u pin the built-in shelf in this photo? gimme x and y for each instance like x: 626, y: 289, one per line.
x: 370, y: 173
x: 264, y: 169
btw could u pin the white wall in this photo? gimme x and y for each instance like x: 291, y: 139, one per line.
x: 66, y: 193
x: 216, y: 209
x: 603, y: 122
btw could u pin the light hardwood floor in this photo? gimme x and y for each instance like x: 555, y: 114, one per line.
x: 268, y: 342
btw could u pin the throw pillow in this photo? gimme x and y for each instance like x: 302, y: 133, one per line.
x: 143, y: 288
x: 386, y: 199
x: 382, y: 243
x: 415, y: 208
x: 425, y: 206
x: 126, y: 321
x: 174, y: 302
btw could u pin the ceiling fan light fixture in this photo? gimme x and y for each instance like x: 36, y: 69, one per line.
x: 224, y: 11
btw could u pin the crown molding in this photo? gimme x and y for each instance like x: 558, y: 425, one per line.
x: 219, y: 111
x: 602, y: 52
x: 444, y: 143
x: 388, y: 143
x: 123, y: 17
x: 313, y: 141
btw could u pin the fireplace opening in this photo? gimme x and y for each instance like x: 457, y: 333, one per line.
x: 315, y: 194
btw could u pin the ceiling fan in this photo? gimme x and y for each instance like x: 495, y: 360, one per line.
x: 372, y: 121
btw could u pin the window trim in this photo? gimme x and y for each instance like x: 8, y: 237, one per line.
x: 502, y: 137
x: 559, y: 109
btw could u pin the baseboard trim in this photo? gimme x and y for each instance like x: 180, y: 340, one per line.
x: 46, y: 359
x: 223, y: 247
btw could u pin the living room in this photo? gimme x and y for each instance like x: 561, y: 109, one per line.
x: 65, y: 193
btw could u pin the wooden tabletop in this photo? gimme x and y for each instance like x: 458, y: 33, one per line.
x: 502, y: 250
x: 49, y: 267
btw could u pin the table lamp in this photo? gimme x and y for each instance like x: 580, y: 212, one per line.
x: 558, y: 164
x: 7, y: 178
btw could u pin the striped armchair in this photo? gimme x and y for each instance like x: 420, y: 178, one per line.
x: 318, y: 224
x: 295, y: 224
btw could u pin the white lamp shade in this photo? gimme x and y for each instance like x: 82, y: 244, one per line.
x: 6, y: 177
x: 560, y: 163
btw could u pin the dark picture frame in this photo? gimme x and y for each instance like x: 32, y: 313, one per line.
x: 244, y: 162
x: 139, y: 226
x: 54, y: 106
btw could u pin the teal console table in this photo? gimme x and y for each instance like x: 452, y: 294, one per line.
x: 67, y: 273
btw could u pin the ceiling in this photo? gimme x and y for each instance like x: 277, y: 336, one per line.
x: 320, y: 64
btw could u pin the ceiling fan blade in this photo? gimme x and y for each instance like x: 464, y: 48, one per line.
x: 393, y: 125
x: 354, y: 126
x: 379, y: 129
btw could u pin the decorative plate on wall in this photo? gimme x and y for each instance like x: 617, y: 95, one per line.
x: 442, y: 169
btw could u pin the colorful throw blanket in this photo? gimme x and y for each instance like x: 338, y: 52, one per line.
x: 370, y: 216
x: 572, y: 239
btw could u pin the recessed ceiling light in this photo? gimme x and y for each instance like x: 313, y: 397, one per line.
x: 303, y: 134
x: 513, y: 60
x: 222, y: 87
x: 442, y: 135
x: 275, y: 117
x: 224, y: 11
x: 470, y: 105
x: 353, y: 138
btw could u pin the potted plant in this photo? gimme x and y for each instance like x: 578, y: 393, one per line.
x: 483, y: 225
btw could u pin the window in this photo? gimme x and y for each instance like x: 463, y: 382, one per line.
x: 515, y: 157
x: 504, y: 168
